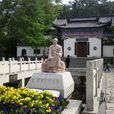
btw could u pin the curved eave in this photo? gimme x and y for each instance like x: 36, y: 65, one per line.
x: 97, y: 26
x: 60, y: 27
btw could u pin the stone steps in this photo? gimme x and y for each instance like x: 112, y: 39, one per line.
x: 79, y: 62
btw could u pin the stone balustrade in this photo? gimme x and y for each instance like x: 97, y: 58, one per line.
x: 93, y: 81
x: 13, y: 66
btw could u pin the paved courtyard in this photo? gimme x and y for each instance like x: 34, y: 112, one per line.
x: 107, y: 106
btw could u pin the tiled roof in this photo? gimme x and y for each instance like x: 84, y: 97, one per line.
x: 84, y: 19
x: 82, y: 22
x: 59, y: 22
x: 82, y: 25
x: 104, y: 19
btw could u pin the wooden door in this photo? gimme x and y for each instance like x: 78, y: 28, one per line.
x: 82, y: 49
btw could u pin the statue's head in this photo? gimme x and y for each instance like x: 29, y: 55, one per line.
x: 55, y: 41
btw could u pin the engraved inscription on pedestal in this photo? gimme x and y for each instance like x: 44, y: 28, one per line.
x: 62, y: 82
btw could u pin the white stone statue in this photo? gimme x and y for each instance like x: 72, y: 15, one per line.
x: 54, y: 63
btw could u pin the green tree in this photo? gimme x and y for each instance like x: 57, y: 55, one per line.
x: 6, y: 10
x: 26, y: 21
x: 88, y: 8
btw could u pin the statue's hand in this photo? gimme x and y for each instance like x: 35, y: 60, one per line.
x: 56, y: 54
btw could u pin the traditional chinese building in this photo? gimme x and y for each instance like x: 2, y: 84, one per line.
x: 83, y: 37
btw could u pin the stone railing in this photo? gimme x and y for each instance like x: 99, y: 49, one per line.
x: 93, y: 82
x: 13, y: 66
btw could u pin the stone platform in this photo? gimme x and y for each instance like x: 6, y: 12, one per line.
x: 62, y: 82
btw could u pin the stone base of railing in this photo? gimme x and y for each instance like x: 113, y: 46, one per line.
x: 96, y: 107
x: 74, y: 107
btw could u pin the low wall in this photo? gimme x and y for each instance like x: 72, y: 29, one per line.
x: 13, y: 66
x: 13, y: 70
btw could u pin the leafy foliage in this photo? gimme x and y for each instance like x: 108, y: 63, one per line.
x: 26, y: 21
x: 79, y: 8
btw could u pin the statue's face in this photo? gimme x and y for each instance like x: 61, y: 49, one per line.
x: 55, y: 41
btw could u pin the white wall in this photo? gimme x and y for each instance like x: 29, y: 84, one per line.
x: 69, y: 43
x: 30, y: 50
x: 95, y: 42
x: 108, y: 51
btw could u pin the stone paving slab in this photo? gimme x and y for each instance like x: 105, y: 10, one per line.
x: 107, y: 107
x: 110, y: 92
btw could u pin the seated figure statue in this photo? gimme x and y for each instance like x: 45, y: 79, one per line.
x: 54, y: 63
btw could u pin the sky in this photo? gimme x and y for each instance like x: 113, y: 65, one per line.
x: 66, y: 1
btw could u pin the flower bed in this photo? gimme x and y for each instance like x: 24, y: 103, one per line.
x: 26, y: 101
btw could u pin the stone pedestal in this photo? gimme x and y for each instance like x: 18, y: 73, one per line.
x: 62, y: 82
